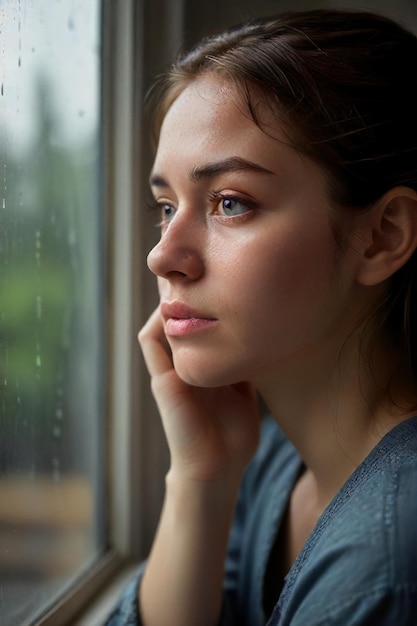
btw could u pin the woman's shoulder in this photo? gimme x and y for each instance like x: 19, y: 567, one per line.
x: 362, y: 555
x: 386, y: 482
x: 376, y: 510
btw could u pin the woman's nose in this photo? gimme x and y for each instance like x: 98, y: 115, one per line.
x: 178, y: 253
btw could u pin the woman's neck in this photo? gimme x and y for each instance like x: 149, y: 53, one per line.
x: 336, y: 409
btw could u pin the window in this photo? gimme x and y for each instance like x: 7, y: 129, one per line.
x: 52, y: 325
x: 78, y: 499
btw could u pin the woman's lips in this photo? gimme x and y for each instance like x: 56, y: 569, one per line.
x: 182, y: 320
x: 179, y: 327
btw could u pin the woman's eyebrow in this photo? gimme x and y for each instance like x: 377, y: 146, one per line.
x: 211, y: 170
x: 232, y: 164
x: 156, y: 180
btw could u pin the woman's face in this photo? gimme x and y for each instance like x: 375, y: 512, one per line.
x: 249, y: 274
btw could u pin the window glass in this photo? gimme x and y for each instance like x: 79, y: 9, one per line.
x: 51, y: 302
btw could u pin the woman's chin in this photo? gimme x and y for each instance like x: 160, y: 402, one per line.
x: 203, y: 376
x: 199, y: 379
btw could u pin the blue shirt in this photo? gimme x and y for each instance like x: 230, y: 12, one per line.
x: 359, y: 565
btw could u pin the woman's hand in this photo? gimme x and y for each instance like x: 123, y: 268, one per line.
x: 212, y: 433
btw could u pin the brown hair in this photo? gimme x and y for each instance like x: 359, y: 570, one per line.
x: 340, y: 84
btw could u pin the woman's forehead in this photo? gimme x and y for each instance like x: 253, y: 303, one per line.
x: 214, y: 108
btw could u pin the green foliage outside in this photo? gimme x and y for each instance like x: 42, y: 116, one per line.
x: 48, y: 289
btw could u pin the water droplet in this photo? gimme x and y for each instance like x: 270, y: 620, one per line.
x: 4, y: 203
x: 56, y: 472
x: 72, y: 237
x: 38, y: 360
x: 38, y: 307
x: 59, y: 414
x: 38, y: 246
x: 56, y: 432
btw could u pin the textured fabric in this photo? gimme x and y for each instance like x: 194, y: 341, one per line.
x: 358, y: 567
x: 126, y: 612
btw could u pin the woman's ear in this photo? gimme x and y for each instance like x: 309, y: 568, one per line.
x: 391, y: 236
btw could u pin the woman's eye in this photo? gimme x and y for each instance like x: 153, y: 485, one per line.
x: 229, y: 207
x: 166, y: 211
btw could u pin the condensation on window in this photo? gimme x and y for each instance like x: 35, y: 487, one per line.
x: 51, y: 301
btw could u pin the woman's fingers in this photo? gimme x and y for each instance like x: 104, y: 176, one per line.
x: 154, y: 345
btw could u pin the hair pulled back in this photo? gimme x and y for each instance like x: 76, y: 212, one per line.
x: 343, y: 85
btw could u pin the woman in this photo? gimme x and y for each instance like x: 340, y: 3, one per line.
x: 286, y: 180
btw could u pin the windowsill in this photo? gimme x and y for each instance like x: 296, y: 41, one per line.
x: 90, y: 601
x: 99, y: 609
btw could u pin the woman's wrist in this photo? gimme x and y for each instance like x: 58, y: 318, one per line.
x: 199, y: 491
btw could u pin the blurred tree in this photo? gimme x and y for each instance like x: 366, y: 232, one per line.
x: 42, y: 280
